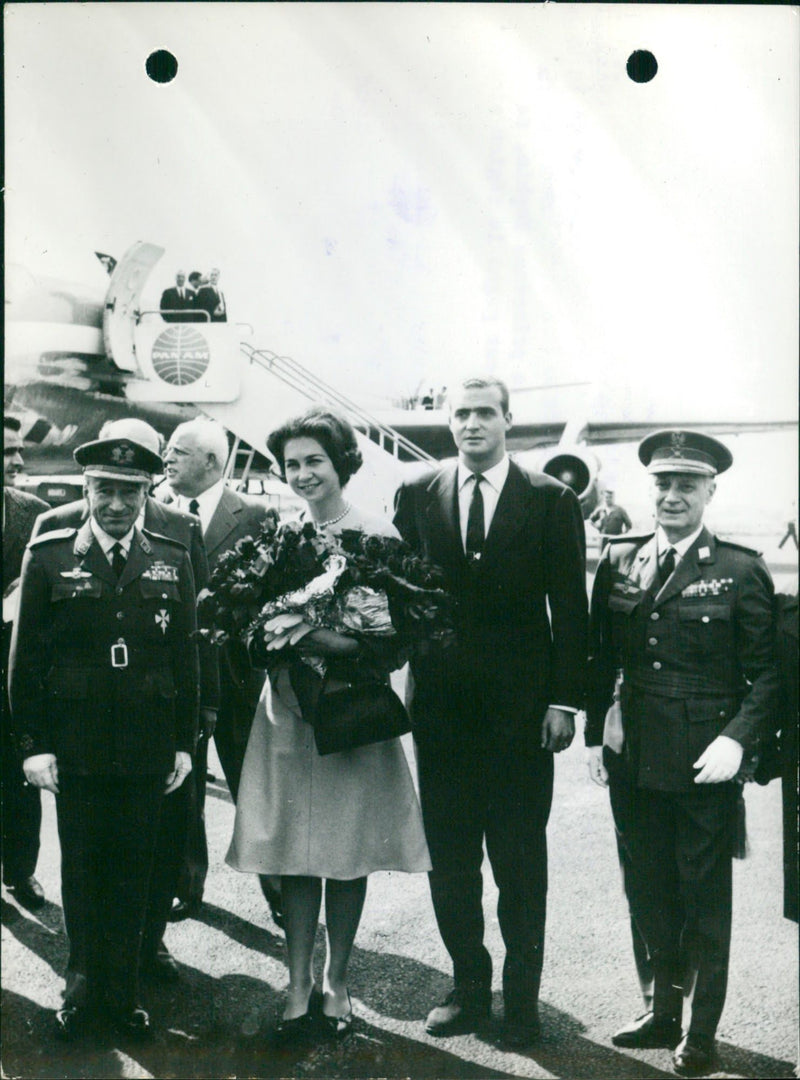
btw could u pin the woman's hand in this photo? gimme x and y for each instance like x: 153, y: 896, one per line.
x: 285, y: 629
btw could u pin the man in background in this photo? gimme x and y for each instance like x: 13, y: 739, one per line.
x: 210, y: 298
x: 22, y: 803
x: 195, y: 460
x: 178, y: 301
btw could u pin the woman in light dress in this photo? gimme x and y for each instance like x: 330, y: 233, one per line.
x: 311, y: 818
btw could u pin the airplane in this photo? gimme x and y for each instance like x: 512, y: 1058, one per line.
x: 77, y: 356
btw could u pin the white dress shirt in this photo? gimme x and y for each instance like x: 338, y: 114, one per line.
x: 492, y: 484
x: 207, y: 503
x: 680, y: 547
x: 107, y: 542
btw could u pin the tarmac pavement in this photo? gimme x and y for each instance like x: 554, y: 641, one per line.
x: 213, y: 1022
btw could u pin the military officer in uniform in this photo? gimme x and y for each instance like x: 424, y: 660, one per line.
x: 104, y: 695
x: 682, y: 626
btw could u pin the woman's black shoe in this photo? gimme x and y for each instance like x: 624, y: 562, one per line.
x: 339, y: 1027
x: 300, y: 1029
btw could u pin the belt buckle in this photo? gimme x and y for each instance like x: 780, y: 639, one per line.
x: 119, y: 654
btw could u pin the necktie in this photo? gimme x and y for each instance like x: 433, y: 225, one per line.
x: 475, y: 523
x: 118, y: 560
x: 667, y: 565
x: 194, y: 507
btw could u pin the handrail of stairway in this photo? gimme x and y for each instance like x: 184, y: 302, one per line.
x: 301, y: 379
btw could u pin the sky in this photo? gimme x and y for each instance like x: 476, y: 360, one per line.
x: 398, y: 193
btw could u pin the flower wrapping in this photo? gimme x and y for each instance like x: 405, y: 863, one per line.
x: 355, y: 583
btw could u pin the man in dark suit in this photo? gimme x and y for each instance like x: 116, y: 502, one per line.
x: 210, y: 298
x: 489, y: 713
x: 22, y: 804
x: 104, y: 691
x: 195, y: 460
x: 176, y: 812
x: 178, y: 302
x: 682, y: 623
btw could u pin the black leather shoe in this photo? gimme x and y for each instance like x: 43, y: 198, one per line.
x: 134, y: 1024
x: 520, y: 1032
x: 694, y: 1055
x: 465, y: 1009
x: 185, y: 909
x: 70, y: 1022
x: 648, y: 1032
x: 28, y: 892
x: 273, y: 898
x: 300, y: 1029
x: 163, y: 967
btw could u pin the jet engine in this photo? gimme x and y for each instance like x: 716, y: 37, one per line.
x: 577, y: 468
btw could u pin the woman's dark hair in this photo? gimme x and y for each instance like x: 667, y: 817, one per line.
x: 334, y: 434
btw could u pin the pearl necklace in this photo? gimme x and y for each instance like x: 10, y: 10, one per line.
x: 334, y: 520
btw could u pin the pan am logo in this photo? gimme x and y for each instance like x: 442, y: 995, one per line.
x: 180, y: 355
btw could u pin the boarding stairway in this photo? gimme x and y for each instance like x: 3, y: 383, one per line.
x: 250, y: 391
x: 274, y: 388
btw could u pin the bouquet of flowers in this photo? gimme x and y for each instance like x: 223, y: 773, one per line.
x: 273, y: 588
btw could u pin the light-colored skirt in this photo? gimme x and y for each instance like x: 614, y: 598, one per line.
x: 340, y: 816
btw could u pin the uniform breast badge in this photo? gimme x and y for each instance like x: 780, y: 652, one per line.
x: 701, y: 589
x: 161, y: 571
x: 162, y: 619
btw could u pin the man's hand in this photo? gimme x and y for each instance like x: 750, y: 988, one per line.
x: 597, y: 770
x: 183, y: 766
x: 558, y: 730
x: 41, y: 770
x: 208, y: 722
x: 719, y: 761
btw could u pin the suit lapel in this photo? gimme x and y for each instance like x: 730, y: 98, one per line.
x: 701, y: 553
x: 137, y: 559
x: 645, y: 566
x: 511, y: 511
x: 443, y: 508
x: 222, y: 523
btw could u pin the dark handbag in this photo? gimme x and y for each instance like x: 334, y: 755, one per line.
x: 357, y: 714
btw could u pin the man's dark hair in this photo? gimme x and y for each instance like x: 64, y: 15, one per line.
x: 485, y: 382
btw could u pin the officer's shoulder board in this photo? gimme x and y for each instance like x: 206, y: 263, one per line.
x: 629, y: 538
x: 49, y: 537
x: 723, y: 542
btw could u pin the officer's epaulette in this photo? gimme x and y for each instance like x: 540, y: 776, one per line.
x: 629, y: 538
x: 56, y: 534
x: 724, y: 542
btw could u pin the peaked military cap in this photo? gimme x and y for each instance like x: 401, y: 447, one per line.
x: 678, y: 451
x: 118, y: 459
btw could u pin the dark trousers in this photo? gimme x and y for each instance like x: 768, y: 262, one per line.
x: 168, y: 861
x: 107, y: 827
x: 22, y: 813
x: 235, y: 717
x: 622, y: 796
x: 681, y: 850
x: 191, y: 863
x: 471, y: 788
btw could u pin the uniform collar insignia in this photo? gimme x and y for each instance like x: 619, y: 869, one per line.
x: 704, y: 553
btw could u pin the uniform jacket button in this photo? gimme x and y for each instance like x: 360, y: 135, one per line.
x: 656, y: 665
x: 654, y: 616
x: 652, y: 641
x: 120, y: 614
x: 705, y: 618
x: 118, y: 591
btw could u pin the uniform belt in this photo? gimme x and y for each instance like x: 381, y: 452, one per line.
x: 679, y: 684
